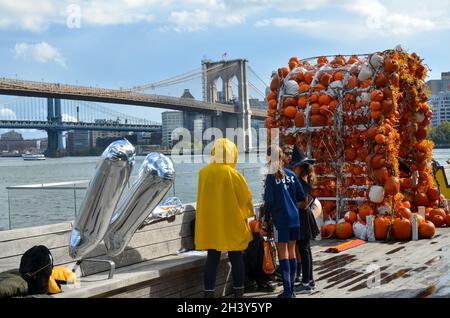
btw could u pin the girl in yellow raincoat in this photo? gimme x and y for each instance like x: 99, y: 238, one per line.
x: 224, y: 203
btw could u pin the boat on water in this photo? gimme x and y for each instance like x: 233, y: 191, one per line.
x: 29, y: 156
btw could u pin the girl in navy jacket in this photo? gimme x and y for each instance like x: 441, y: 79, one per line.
x: 282, y: 192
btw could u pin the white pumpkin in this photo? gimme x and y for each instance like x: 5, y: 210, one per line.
x: 376, y: 60
x: 360, y: 230
x: 365, y: 98
x: 336, y: 84
x: 291, y: 87
x: 365, y: 73
x: 376, y: 194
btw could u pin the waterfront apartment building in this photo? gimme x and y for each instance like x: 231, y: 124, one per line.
x: 170, y: 121
x: 440, y: 99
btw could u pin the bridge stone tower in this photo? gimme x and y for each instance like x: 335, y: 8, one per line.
x: 226, y: 71
x: 55, y: 146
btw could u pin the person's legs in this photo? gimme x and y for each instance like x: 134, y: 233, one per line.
x: 283, y: 254
x: 311, y: 277
x: 292, y: 262
x: 210, y: 271
x: 299, y: 263
x: 238, y: 272
x: 304, y: 286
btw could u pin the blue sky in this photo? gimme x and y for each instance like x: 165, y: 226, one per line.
x: 122, y: 43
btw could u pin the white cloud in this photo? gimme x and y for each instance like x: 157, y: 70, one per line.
x: 7, y: 114
x: 371, y: 17
x: 391, y: 19
x: 290, y: 23
x: 40, y: 52
x: 196, y: 20
x: 27, y: 14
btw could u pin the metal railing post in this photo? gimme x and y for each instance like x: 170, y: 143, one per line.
x: 9, y: 212
x: 75, y: 200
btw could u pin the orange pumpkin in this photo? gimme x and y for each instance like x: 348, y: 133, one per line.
x: 405, y: 212
x: 350, y: 217
x: 302, y: 102
x: 406, y: 204
x: 290, y: 101
x: 392, y: 186
x: 365, y: 210
x: 378, y: 161
x: 437, y: 211
x: 377, y: 95
x: 401, y: 229
x: 299, y: 119
x: 421, y: 199
x: 381, y: 175
x: 290, y: 111
x: 318, y: 120
x: 391, y: 65
x: 350, y: 154
x: 324, y: 99
x: 381, y: 226
x: 329, y: 231
x: 344, y: 230
x: 447, y: 219
x: 437, y: 220
x: 380, y: 79
x: 427, y: 230
x: 433, y: 194
x: 275, y: 83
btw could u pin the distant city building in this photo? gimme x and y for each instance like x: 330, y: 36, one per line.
x: 440, y: 99
x: 149, y: 138
x: 78, y: 140
x: 440, y: 104
x: 96, y: 135
x: 13, y: 141
x: 11, y: 136
x: 442, y: 85
x: 257, y: 104
x: 170, y: 121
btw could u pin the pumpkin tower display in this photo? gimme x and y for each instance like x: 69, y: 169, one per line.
x: 364, y: 119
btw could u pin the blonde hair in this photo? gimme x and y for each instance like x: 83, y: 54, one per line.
x: 275, y: 153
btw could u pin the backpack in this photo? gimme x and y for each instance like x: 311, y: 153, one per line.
x: 36, y: 266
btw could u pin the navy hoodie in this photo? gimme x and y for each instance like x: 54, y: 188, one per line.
x: 281, y: 197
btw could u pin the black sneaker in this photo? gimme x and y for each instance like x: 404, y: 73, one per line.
x: 312, y: 284
x: 298, y: 278
x: 285, y: 295
x: 303, y: 289
x: 266, y: 287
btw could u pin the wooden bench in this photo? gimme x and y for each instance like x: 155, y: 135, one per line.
x: 152, y: 265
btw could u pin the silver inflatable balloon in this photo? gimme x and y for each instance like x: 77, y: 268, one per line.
x: 111, y: 177
x: 156, y: 176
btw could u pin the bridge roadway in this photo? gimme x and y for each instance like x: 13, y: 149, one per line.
x: 115, y: 96
x: 46, y: 125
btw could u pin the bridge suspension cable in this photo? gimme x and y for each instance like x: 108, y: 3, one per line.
x: 188, y: 76
x: 257, y: 76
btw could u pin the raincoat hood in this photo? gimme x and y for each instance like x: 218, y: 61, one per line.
x: 224, y: 152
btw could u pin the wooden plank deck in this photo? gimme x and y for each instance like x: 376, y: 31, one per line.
x: 406, y: 269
